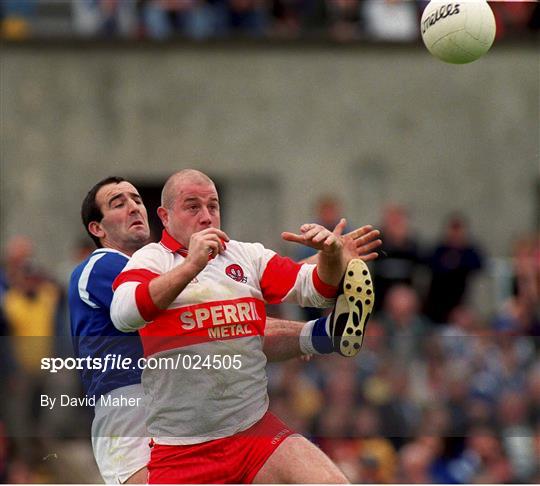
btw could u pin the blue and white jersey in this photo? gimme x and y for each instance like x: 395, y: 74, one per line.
x: 93, y: 333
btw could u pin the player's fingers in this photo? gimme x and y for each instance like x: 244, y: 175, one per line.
x: 331, y: 240
x: 368, y: 246
x: 213, y: 241
x: 213, y: 247
x: 287, y: 236
x: 372, y: 235
x: 215, y: 231
x: 369, y: 257
x: 316, y: 231
x: 223, y: 235
x: 358, y: 232
x: 308, y: 235
x: 338, y: 230
x: 322, y: 236
x: 307, y: 226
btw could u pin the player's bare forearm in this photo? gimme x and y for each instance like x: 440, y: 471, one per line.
x: 331, y: 266
x: 282, y: 339
x: 165, y: 288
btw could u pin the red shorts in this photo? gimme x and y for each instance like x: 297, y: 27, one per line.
x: 234, y: 459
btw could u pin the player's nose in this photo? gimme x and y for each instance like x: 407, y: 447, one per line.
x: 133, y: 206
x: 204, y: 215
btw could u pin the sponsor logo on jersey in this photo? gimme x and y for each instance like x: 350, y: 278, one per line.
x: 200, y: 323
x: 236, y: 272
x: 221, y: 314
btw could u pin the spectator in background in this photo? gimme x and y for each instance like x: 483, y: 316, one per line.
x: 518, y: 316
x: 484, y: 459
x: 401, y: 414
x: 18, y: 254
x: 533, y: 391
x: 390, y: 20
x: 343, y: 19
x: 375, y: 454
x: 526, y: 269
x: 456, y: 395
x: 453, y: 261
x: 197, y: 19
x: 534, y: 25
x: 104, y: 18
x: 16, y: 17
x: 401, y: 253
x: 405, y: 327
x: 415, y: 461
x: 248, y: 17
x: 517, y: 432
x: 288, y: 16
x: 33, y: 309
x: 512, y: 18
x: 463, y: 324
x: 8, y: 365
x: 520, y: 313
x: 427, y: 372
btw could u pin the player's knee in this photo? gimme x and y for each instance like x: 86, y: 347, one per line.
x: 335, y: 476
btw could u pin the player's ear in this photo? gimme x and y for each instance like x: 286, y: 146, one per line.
x: 95, y: 228
x: 163, y: 215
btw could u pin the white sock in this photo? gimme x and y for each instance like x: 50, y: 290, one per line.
x: 306, y: 345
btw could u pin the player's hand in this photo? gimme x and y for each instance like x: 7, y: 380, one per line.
x: 359, y: 243
x: 204, y: 244
x: 317, y: 237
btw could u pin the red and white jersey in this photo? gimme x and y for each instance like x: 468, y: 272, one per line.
x: 212, y: 333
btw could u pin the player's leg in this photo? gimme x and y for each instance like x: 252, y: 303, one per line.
x: 352, y: 310
x: 120, y: 440
x: 299, y: 461
x: 140, y: 477
x: 342, y: 331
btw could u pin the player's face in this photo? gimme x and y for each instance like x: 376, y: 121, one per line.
x: 196, y: 208
x: 125, y: 221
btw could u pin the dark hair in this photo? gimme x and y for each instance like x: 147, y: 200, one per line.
x: 90, y: 210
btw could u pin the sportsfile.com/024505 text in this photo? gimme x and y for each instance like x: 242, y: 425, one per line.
x: 117, y: 362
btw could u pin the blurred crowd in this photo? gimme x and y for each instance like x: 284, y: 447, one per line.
x: 443, y: 391
x: 341, y: 20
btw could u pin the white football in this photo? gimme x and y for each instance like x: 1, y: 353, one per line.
x: 458, y: 32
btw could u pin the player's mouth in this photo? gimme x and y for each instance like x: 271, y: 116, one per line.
x: 137, y: 223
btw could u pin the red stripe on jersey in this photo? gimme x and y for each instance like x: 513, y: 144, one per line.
x: 211, y: 321
x: 328, y: 291
x: 278, y: 278
x: 136, y: 275
x: 170, y: 243
x: 145, y: 304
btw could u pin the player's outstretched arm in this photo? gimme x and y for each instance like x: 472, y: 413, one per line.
x: 360, y: 243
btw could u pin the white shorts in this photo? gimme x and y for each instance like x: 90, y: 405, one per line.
x: 119, y: 437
